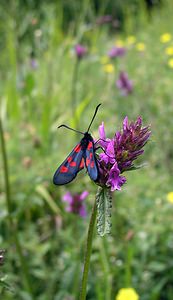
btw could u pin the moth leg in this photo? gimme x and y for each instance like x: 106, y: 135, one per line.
x: 100, y: 140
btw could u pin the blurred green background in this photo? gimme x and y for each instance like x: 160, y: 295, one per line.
x: 40, y: 90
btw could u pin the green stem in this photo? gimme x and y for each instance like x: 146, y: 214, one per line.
x: 106, y: 269
x: 88, y: 253
x: 11, y: 222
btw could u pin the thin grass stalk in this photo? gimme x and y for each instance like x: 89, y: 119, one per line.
x: 74, y: 87
x: 11, y: 223
x: 11, y: 47
x: 88, y: 253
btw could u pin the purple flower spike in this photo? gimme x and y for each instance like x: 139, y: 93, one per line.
x: 125, y: 123
x: 75, y: 203
x: 80, y: 51
x: 124, y: 84
x: 116, y: 52
x: 120, y: 152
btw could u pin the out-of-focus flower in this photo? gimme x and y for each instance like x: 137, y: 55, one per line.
x: 127, y: 294
x: 34, y: 63
x: 131, y: 39
x: 108, y: 68
x: 129, y: 235
x: 104, y: 19
x: 170, y: 197
x: 116, y: 52
x: 170, y: 63
x: 27, y: 162
x: 76, y: 203
x: 169, y: 51
x: 108, y: 19
x: 34, y: 21
x: 124, y: 84
x: 165, y: 38
x: 120, y: 152
x: 80, y: 51
x: 140, y: 47
x: 104, y: 60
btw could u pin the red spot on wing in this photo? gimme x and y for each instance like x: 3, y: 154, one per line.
x: 63, y: 169
x: 87, y: 162
x: 73, y: 164
x: 90, y: 145
x: 77, y: 148
x: 91, y: 155
x: 69, y: 159
x: 81, y: 164
x: 92, y: 164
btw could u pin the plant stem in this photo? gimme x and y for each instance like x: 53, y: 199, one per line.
x: 88, y: 253
x: 106, y: 269
x: 11, y: 222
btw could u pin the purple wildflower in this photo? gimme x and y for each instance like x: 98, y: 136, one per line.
x: 102, y: 140
x: 80, y: 51
x: 34, y: 63
x: 120, y: 152
x: 115, y: 180
x: 124, y: 84
x: 116, y: 52
x: 75, y: 203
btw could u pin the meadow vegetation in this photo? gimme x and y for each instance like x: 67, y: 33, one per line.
x: 44, y: 85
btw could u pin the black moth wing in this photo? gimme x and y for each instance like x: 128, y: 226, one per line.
x: 91, y: 161
x: 68, y: 170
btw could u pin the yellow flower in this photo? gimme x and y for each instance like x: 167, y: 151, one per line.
x: 108, y: 68
x: 170, y: 63
x: 170, y: 197
x: 104, y: 60
x: 169, y: 50
x: 140, y: 47
x: 166, y: 37
x: 131, y: 39
x: 119, y: 43
x: 127, y: 294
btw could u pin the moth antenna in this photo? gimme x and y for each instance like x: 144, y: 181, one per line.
x: 93, y: 117
x: 63, y: 125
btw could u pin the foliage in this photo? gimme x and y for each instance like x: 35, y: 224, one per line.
x: 37, y: 64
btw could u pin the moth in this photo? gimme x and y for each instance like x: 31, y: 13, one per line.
x: 82, y: 155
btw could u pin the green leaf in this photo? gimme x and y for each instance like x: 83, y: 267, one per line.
x: 104, y: 205
x: 79, y: 110
x: 133, y: 168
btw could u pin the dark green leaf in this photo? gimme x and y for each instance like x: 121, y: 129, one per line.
x: 104, y: 205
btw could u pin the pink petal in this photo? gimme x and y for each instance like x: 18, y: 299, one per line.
x: 102, y: 131
x: 68, y: 197
x: 83, y: 195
